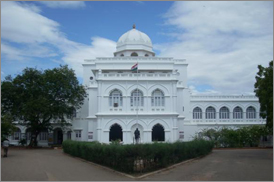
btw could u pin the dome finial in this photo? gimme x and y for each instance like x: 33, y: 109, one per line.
x: 134, y: 26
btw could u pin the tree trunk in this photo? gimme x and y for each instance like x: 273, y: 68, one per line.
x: 33, y: 141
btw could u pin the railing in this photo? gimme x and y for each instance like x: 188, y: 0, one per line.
x: 222, y: 121
x: 135, y: 58
x: 157, y: 109
x: 133, y: 75
x: 223, y: 97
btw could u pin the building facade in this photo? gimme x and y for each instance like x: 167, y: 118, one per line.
x: 155, y: 99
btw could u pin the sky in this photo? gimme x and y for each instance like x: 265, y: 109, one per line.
x: 222, y: 41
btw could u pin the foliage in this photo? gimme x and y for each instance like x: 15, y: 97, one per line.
x: 7, y: 127
x: 264, y: 91
x: 35, y: 97
x: 241, y: 137
x: 22, y: 142
x: 137, y: 158
x: 212, y: 135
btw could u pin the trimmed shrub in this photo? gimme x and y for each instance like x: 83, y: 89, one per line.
x: 137, y: 158
x: 241, y: 137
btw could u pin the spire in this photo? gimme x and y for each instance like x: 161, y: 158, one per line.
x: 134, y: 26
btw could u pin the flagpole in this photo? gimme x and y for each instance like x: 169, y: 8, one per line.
x: 137, y: 92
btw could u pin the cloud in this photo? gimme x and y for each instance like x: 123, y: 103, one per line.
x: 26, y: 52
x: 22, y: 24
x: 223, y: 42
x: 100, y: 47
x: 27, y: 34
x: 194, y: 91
x: 64, y: 4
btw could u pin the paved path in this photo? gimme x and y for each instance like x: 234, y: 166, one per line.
x: 53, y: 165
x: 224, y: 165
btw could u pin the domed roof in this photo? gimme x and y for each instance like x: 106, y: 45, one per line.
x: 134, y: 40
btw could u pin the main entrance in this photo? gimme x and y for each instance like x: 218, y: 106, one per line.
x: 115, y: 133
x: 158, y: 133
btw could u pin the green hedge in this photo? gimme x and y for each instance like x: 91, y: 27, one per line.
x: 241, y: 137
x: 137, y: 158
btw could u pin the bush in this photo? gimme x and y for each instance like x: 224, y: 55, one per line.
x: 137, y: 158
x: 241, y: 137
x: 22, y: 142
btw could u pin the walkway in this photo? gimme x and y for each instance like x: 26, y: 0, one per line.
x: 53, y: 165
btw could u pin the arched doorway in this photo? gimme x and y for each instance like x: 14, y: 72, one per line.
x: 57, y: 136
x: 158, y: 133
x: 115, y: 133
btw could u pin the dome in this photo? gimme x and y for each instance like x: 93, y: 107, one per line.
x: 134, y: 37
x: 134, y: 40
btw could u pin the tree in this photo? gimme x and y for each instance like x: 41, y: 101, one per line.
x: 7, y: 127
x: 35, y: 98
x: 264, y: 91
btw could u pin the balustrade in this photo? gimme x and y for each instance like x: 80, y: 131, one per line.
x: 134, y: 75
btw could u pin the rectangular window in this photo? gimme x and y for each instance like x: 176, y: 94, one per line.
x: 90, y: 135
x: 78, y: 134
x: 181, y: 135
x: 43, y: 136
x: 28, y: 136
x: 16, y: 135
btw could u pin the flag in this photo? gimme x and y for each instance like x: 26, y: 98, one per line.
x: 134, y: 67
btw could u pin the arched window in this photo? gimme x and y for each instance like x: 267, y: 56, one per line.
x: 17, y: 134
x: 237, y: 113
x: 146, y: 55
x: 250, y: 113
x: 197, y: 113
x: 158, y: 98
x: 210, y: 113
x: 224, y: 113
x: 115, y: 98
x: 137, y: 98
x: 134, y: 54
x: 122, y: 55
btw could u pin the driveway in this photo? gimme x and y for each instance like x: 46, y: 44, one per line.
x: 54, y: 165
x: 51, y: 165
x: 224, y: 165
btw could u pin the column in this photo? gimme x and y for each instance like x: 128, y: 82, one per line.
x: 147, y: 136
x: 231, y: 116
x: 65, y: 135
x: 126, y: 137
x: 175, y: 130
x: 99, y: 130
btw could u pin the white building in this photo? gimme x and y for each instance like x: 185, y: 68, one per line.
x: 156, y: 100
